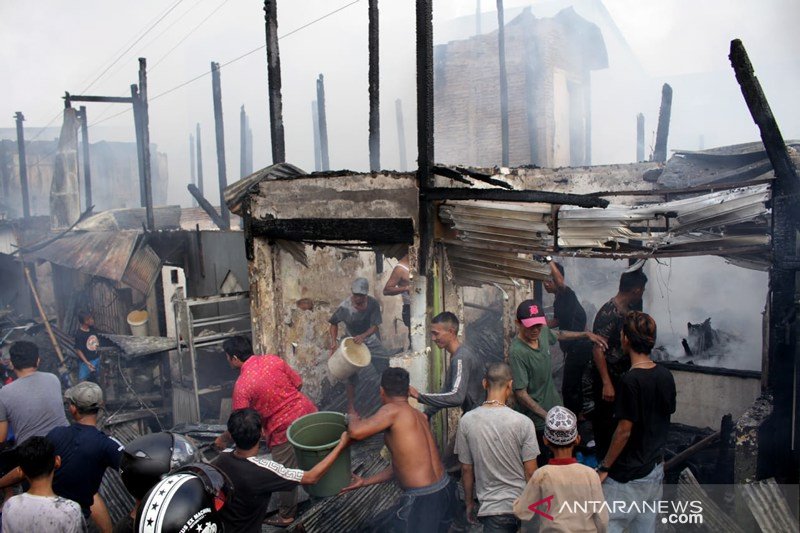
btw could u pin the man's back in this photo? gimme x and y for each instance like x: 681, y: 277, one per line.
x: 33, y: 405
x: 26, y: 513
x: 496, y: 441
x: 254, y: 480
x: 85, y: 454
x: 415, y: 458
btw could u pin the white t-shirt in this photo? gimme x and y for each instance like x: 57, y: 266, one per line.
x: 52, y: 514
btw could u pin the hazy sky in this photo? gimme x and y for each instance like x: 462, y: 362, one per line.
x: 50, y: 46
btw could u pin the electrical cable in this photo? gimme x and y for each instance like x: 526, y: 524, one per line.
x: 234, y: 60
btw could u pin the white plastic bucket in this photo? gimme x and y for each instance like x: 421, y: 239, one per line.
x: 348, y: 359
x: 137, y: 320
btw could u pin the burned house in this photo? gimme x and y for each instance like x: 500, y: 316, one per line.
x: 549, y: 62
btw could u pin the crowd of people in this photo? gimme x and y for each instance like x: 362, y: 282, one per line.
x: 514, y: 452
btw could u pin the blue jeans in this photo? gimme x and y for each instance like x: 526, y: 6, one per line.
x: 499, y: 523
x: 83, y: 370
x: 426, y: 509
x: 648, y: 489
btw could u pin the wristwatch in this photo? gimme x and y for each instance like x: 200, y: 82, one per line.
x: 548, y: 258
x: 601, y: 468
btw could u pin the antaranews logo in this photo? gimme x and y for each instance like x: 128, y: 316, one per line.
x: 671, y: 512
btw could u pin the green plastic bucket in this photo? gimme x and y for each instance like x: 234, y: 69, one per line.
x: 313, y: 437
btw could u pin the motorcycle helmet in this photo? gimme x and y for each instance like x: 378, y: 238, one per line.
x: 149, y: 458
x: 188, y: 499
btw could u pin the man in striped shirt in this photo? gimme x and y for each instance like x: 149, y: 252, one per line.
x: 463, y: 387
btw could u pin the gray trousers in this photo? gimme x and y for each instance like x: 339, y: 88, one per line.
x: 287, y: 501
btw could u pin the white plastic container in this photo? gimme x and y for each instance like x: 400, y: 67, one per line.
x: 137, y: 320
x: 348, y: 359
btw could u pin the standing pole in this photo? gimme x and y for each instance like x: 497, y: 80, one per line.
x: 192, y: 166
x: 401, y: 134
x: 374, y: 89
x: 323, y: 124
x: 425, y: 91
x: 274, y: 80
x: 660, y: 151
x: 199, y: 141
x: 317, y: 150
x: 145, y: 125
x: 249, y: 149
x: 87, y: 171
x: 216, y: 85
x: 23, y: 165
x: 501, y: 53
x: 242, y: 143
x: 639, y: 137
x: 137, y: 122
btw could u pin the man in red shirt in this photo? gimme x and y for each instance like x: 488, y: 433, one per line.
x: 270, y: 386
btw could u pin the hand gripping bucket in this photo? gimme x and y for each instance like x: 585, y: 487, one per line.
x: 348, y: 359
x: 313, y: 437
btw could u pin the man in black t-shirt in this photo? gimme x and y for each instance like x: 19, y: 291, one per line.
x: 568, y: 315
x: 86, y: 344
x: 633, y: 469
x: 609, y: 364
x: 256, y: 478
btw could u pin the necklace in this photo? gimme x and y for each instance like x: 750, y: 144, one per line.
x: 640, y: 363
x: 494, y: 402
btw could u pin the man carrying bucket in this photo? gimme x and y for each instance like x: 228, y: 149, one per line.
x: 361, y: 314
x: 271, y: 387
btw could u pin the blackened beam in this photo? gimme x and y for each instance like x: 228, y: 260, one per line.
x: 105, y: 99
x: 762, y: 115
x: 373, y: 230
x: 207, y: 207
x: 374, y: 89
x: 546, y: 197
x: 458, y: 172
x: 274, y: 82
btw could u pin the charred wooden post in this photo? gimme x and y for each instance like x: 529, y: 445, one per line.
x: 317, y: 150
x: 242, y: 143
x: 199, y: 141
x: 501, y: 55
x: 639, y: 137
x: 249, y: 148
x: 323, y: 124
x: 216, y: 86
x: 145, y: 126
x: 87, y: 171
x: 192, y: 166
x: 137, y: 122
x: 401, y: 134
x: 779, y: 368
x: 660, y: 150
x: 425, y: 145
x: 23, y: 165
x: 274, y: 82
x: 374, y: 89
x: 207, y: 207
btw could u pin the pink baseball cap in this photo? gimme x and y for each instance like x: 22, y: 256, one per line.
x: 531, y: 313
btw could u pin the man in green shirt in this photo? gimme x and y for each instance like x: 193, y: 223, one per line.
x: 531, y: 366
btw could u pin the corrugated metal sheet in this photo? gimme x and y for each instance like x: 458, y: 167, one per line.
x: 101, y: 253
x: 495, y: 240
x: 236, y: 192
x: 166, y: 217
x: 769, y: 506
x: 143, y: 269
x: 109, y: 254
x: 192, y: 217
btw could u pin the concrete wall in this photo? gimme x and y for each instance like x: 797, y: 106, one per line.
x: 704, y: 398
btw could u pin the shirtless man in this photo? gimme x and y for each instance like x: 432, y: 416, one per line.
x: 429, y: 495
x: 400, y: 283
